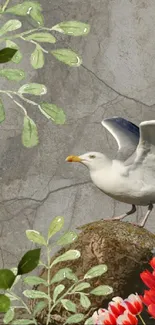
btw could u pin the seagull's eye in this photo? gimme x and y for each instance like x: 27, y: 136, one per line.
x: 92, y: 156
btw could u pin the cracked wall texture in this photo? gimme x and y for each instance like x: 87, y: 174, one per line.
x: 117, y: 78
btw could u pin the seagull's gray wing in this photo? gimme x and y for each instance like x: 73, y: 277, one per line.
x: 125, y: 133
x: 146, y: 146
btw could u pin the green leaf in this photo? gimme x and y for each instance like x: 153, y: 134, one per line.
x: 34, y: 294
x: 7, y: 279
x: 29, y: 133
x: 9, y: 316
x: 68, y: 256
x: 23, y: 322
x: 68, y: 238
x: 81, y: 286
x: 37, y: 16
x: 55, y: 226
x: 73, y: 28
x: 2, y: 112
x: 39, y: 307
x: 9, y: 26
x: 35, y: 280
x: 13, y: 74
x: 29, y: 261
x: 41, y: 37
x: 24, y: 8
x: 53, y: 112
x: 57, y: 291
x: 84, y: 301
x: 77, y: 318
x: 68, y: 57
x: 96, y: 271
x: 37, y: 58
x: 62, y: 274
x: 102, y: 290
x: 18, y: 55
x: 68, y: 305
x: 35, y: 237
x: 4, y: 303
x: 7, y: 54
x: 89, y: 321
x: 33, y: 89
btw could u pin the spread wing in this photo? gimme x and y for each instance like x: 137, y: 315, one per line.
x: 125, y: 133
x: 146, y: 147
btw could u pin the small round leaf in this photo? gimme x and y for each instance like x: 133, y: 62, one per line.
x: 84, y: 301
x: 29, y: 133
x: 68, y: 238
x: 77, y: 318
x: 68, y: 57
x: 55, y: 226
x: 57, y: 291
x: 53, y: 112
x: 37, y: 58
x: 29, y: 261
x: 33, y: 89
x: 68, y: 305
x: 96, y: 271
x: 9, y: 316
x: 68, y: 256
x: 7, y: 279
x: 35, y: 237
x: 102, y: 290
x: 34, y: 294
x: 41, y: 37
x: 4, y: 303
x: 73, y: 28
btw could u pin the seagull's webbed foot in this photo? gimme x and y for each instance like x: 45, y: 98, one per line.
x: 150, y: 207
x: 133, y: 210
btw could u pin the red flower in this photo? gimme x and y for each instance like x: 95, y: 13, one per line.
x: 116, y: 306
x: 127, y: 319
x: 151, y: 310
x: 148, y: 278
x: 152, y: 263
x: 134, y: 304
x: 104, y: 317
x: 149, y: 297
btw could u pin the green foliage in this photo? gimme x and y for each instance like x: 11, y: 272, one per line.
x: 35, y: 36
x: 8, y: 279
x: 29, y: 133
x: 29, y: 261
x: 73, y: 28
x: 2, y: 112
x: 4, y: 303
x: 7, y: 54
x: 68, y: 57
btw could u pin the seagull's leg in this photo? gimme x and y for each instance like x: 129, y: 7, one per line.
x: 133, y: 210
x: 150, y: 207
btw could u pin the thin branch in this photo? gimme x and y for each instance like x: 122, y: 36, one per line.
x: 5, y: 5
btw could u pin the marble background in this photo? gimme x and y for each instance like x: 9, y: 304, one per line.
x: 117, y: 77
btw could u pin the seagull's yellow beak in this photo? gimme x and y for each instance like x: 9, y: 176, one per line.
x: 73, y: 159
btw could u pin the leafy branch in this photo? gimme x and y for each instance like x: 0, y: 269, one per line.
x: 35, y: 36
x: 9, y: 278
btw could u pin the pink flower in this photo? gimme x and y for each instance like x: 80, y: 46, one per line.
x: 134, y: 304
x: 116, y: 306
x: 127, y: 319
x: 148, y: 278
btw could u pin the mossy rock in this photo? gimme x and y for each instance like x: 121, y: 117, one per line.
x: 124, y: 247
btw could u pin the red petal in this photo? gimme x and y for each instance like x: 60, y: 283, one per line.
x: 110, y: 320
x: 151, y: 310
x: 133, y: 319
x: 148, y: 279
x: 152, y: 263
x: 131, y: 307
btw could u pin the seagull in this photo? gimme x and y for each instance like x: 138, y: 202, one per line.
x: 130, y: 177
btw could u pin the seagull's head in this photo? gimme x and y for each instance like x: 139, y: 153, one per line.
x: 93, y: 160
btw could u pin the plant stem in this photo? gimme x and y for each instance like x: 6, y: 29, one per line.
x: 5, y: 5
x: 142, y: 320
x: 25, y: 33
x: 48, y: 281
x: 24, y: 305
x: 31, y: 41
x: 8, y: 93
